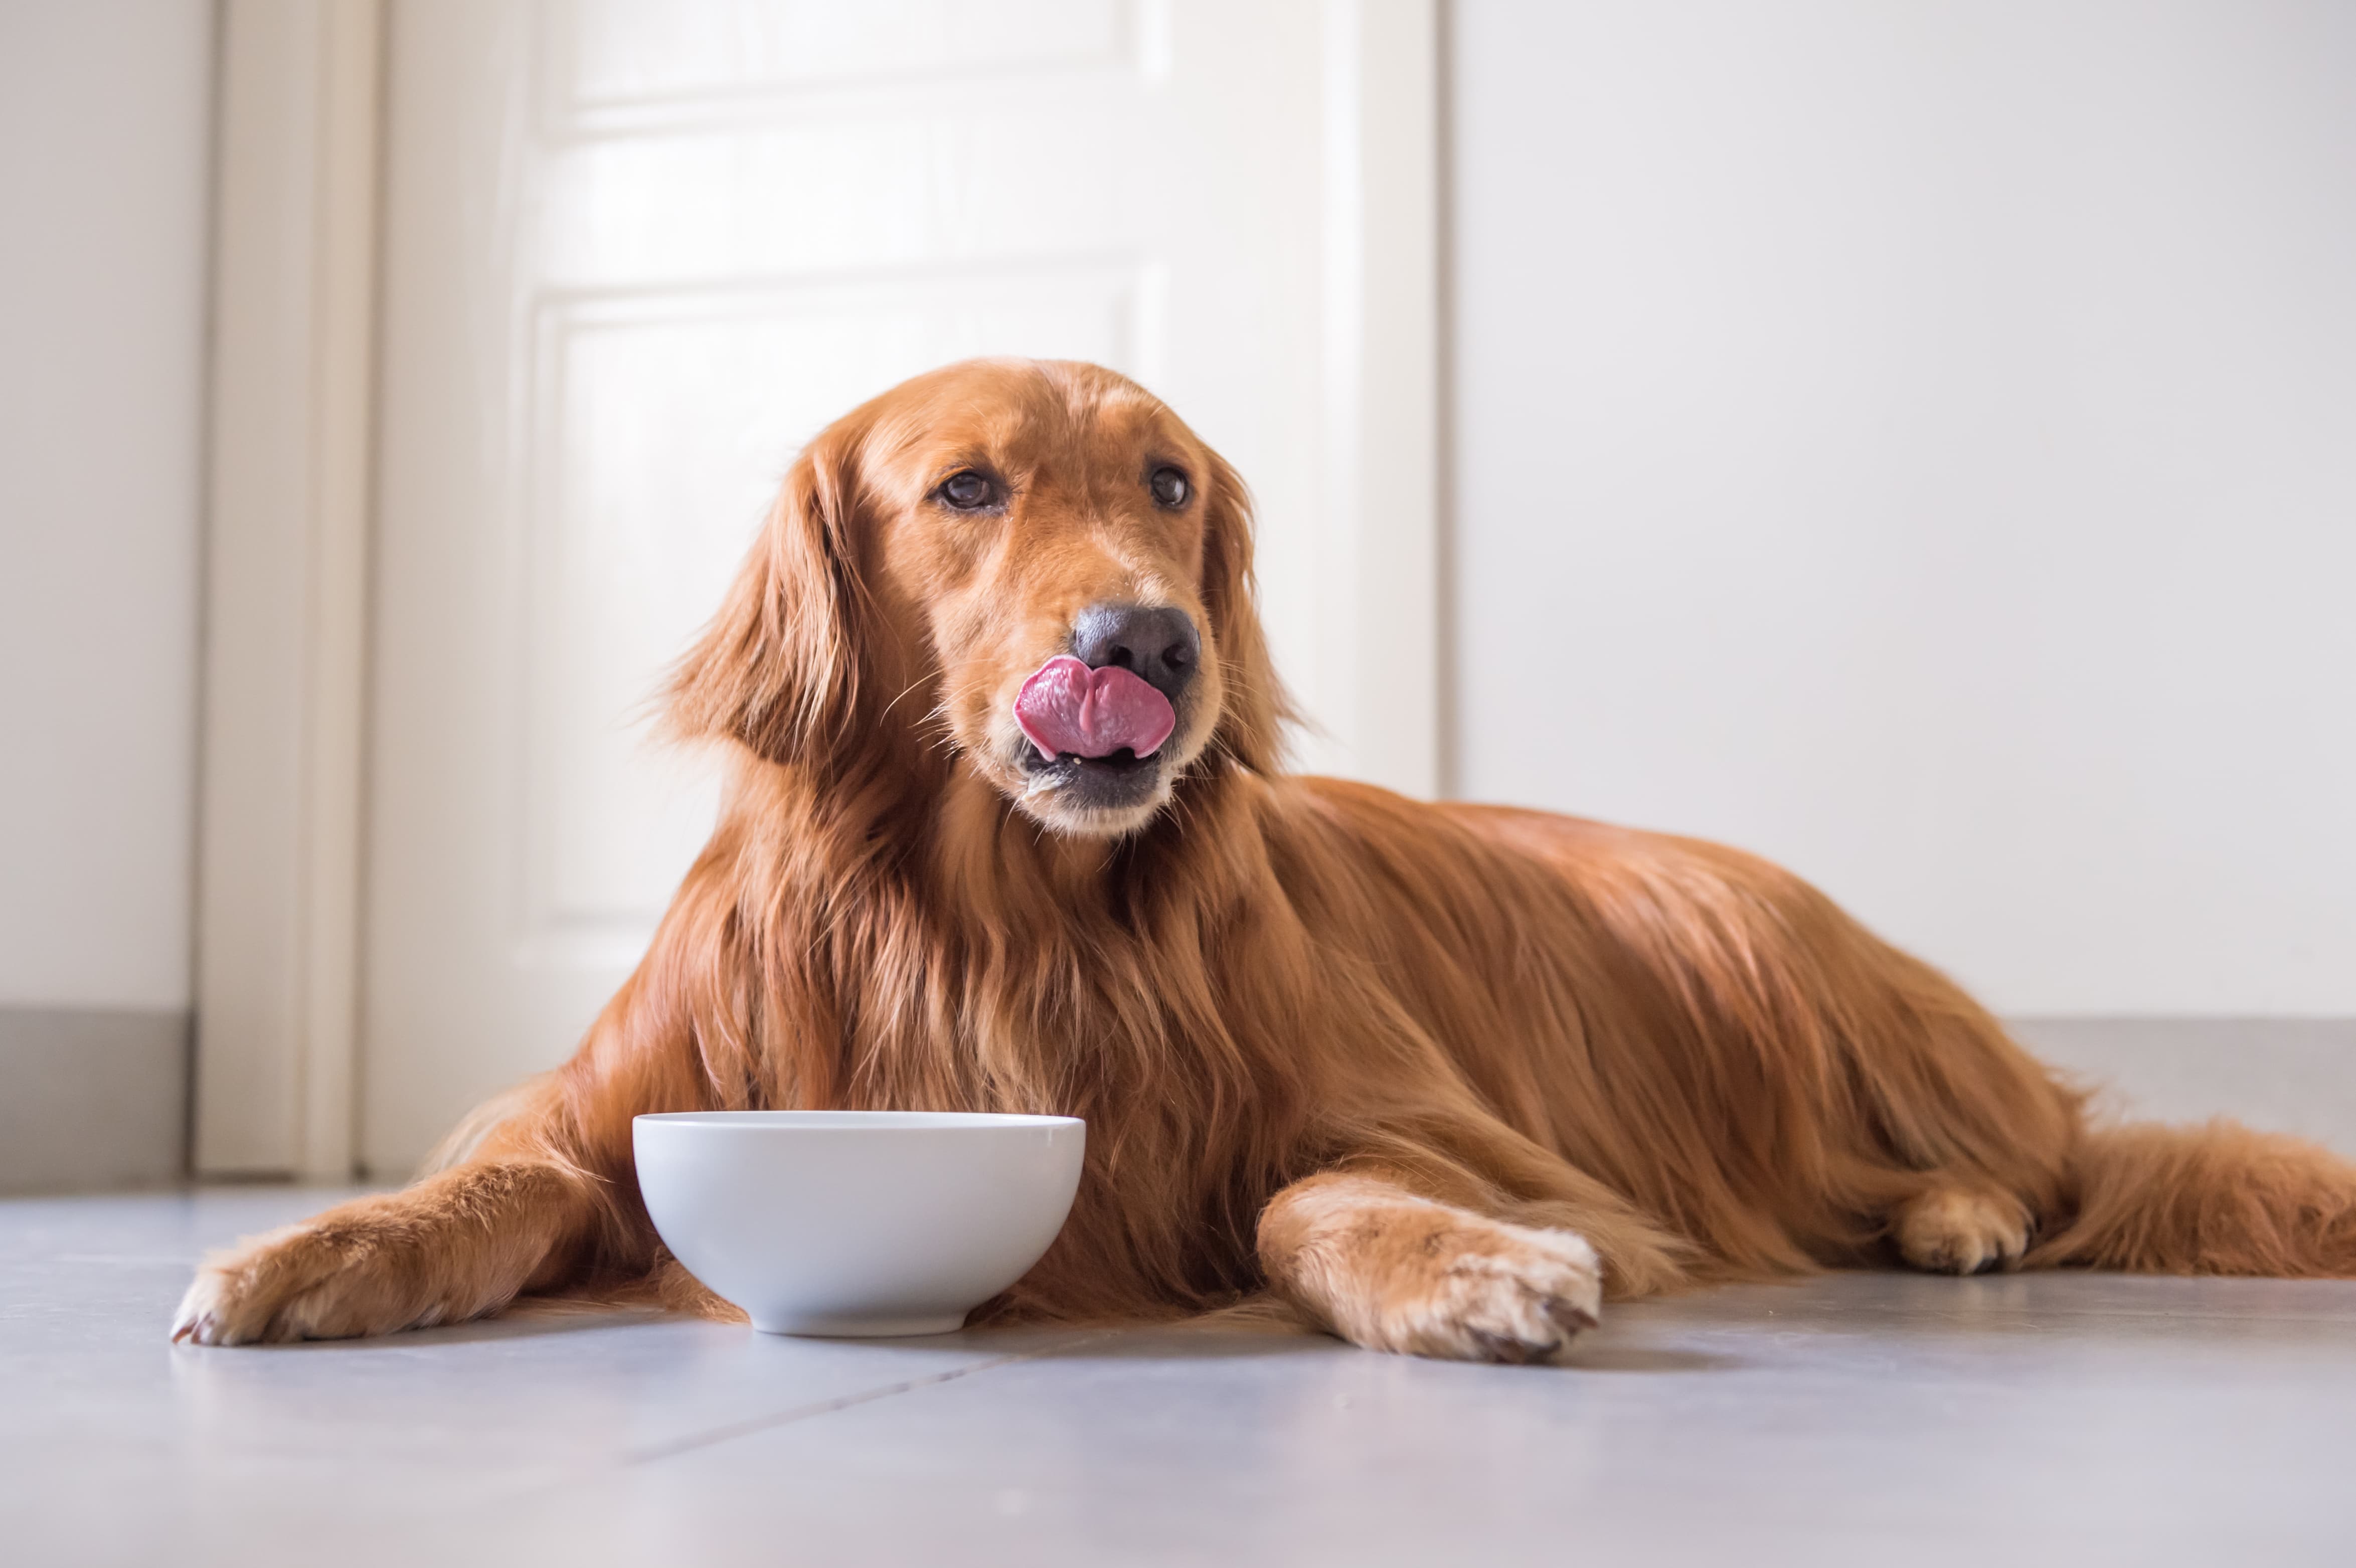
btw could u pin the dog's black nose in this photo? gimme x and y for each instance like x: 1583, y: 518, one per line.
x: 1156, y: 642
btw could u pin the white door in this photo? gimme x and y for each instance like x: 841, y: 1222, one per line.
x: 634, y: 254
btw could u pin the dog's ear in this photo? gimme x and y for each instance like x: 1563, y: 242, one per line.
x: 778, y: 668
x: 1255, y: 707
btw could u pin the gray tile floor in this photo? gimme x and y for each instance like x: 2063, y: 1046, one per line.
x: 1851, y: 1419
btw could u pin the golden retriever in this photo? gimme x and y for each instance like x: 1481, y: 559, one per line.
x: 1008, y: 830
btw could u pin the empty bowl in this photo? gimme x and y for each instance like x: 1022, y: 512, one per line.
x: 857, y: 1222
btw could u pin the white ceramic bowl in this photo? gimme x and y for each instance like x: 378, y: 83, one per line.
x: 858, y: 1222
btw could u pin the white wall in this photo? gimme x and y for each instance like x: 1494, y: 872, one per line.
x: 103, y: 137
x: 1918, y: 442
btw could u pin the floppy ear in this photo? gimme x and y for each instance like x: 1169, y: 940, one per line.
x: 778, y: 668
x: 1254, y: 708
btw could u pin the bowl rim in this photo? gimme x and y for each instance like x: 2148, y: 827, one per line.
x: 857, y: 1121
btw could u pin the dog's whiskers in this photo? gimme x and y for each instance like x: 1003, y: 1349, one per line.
x: 896, y: 701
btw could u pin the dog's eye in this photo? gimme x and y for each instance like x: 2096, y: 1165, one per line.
x: 1170, y: 486
x: 968, y: 492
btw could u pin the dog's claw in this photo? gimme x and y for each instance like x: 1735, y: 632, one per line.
x: 1506, y: 1349
x: 1569, y: 1316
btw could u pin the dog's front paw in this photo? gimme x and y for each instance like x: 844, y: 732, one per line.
x: 1501, y: 1293
x: 304, y: 1282
x: 1473, y: 1289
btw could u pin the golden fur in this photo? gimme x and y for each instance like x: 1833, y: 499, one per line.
x: 1435, y: 1075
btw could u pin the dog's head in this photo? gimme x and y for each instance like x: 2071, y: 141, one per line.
x: 1033, y: 567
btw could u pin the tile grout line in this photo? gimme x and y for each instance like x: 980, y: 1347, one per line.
x: 827, y: 1407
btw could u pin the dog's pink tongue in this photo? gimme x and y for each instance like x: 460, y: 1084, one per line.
x: 1067, y: 706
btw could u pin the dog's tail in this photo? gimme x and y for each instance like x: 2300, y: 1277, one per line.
x: 2216, y: 1198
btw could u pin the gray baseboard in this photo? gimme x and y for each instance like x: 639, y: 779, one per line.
x: 92, y: 1098
x: 2285, y: 1076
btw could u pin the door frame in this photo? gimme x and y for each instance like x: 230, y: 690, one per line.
x: 285, y: 593
x: 281, y: 807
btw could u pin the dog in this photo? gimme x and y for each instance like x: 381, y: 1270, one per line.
x: 1007, y: 828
